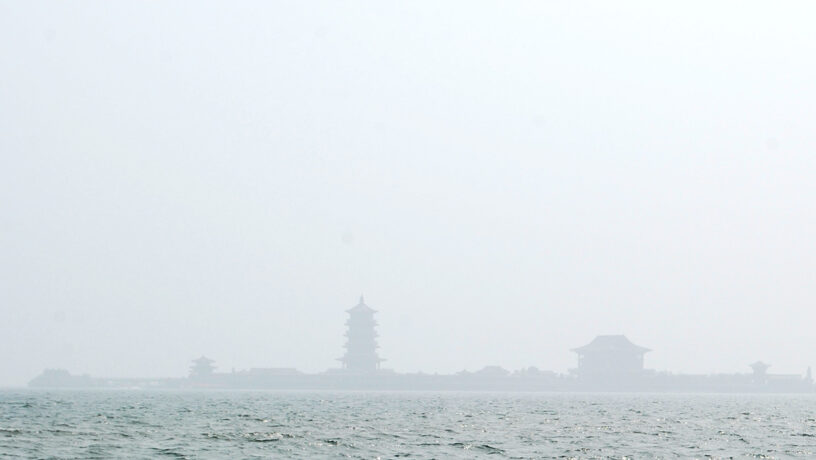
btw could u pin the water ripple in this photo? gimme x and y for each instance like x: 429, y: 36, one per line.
x: 110, y: 424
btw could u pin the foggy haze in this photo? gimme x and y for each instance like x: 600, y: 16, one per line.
x: 503, y: 181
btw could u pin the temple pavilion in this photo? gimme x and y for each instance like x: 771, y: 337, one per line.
x: 610, y: 355
x: 202, y: 367
x: 361, y: 343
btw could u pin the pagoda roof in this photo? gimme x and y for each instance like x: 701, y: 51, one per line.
x: 361, y: 307
x: 610, y: 343
x: 204, y: 359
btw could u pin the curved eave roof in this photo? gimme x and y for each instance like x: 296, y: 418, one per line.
x: 610, y: 343
x: 361, y: 307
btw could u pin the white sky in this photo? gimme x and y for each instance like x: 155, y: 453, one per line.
x: 503, y: 181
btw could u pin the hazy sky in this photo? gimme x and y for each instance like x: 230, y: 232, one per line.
x: 502, y: 180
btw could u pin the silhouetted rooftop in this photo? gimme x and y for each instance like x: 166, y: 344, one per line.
x: 361, y: 307
x: 759, y: 367
x: 610, y: 343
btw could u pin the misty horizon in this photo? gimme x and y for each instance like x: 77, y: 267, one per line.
x: 220, y: 368
x: 609, y: 363
x: 503, y: 184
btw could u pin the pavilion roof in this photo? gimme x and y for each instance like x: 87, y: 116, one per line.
x: 361, y: 307
x: 610, y: 343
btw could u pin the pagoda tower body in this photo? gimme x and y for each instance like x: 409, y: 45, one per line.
x: 202, y: 368
x: 361, y: 343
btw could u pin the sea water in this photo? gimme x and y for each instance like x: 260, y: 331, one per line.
x: 221, y: 424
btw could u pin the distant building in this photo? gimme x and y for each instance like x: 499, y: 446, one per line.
x: 760, y: 369
x: 202, y: 368
x: 492, y: 371
x: 361, y: 343
x: 61, y: 378
x: 610, y: 356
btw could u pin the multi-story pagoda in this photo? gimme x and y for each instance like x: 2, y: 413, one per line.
x: 361, y: 343
x: 202, y: 368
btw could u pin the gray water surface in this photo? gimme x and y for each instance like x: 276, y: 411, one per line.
x: 148, y: 424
